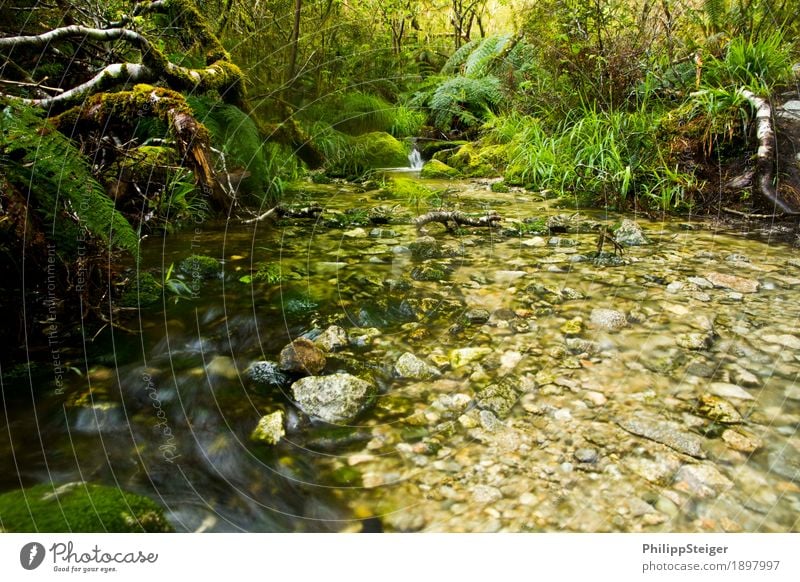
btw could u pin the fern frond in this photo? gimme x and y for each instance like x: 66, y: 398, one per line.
x: 464, y: 99
x: 480, y: 61
x: 458, y: 58
x: 49, y: 166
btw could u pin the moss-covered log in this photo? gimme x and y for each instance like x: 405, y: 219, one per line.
x: 123, y: 110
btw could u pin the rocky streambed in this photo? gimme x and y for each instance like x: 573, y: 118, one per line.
x: 516, y: 378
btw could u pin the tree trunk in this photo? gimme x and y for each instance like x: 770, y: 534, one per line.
x: 298, y: 6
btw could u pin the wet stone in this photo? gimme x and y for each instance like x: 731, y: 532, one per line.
x: 425, y: 247
x: 630, y: 234
x: 336, y: 398
x: 536, y: 241
x: 701, y: 282
x: 745, y: 378
x: 785, y: 340
x: 410, y: 366
x: 700, y: 369
x: 732, y: 282
x: 695, y: 341
x: 463, y: 356
x: 500, y: 398
x: 741, y: 442
x: 572, y: 327
x: 269, y: 429
x: 486, y: 494
x: 586, y: 455
x: 667, y: 433
x: 701, y: 481
x: 477, y: 316
x: 725, y: 390
x: 302, y: 357
x: 608, y: 319
x: 489, y: 421
x: 675, y: 287
x: 718, y: 409
x: 332, y: 339
x: 267, y: 373
x: 785, y: 461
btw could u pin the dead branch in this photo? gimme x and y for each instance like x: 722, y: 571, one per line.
x: 282, y: 212
x: 458, y: 218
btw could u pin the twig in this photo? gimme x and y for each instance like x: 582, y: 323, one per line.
x: 34, y: 85
x: 759, y: 216
x: 261, y: 217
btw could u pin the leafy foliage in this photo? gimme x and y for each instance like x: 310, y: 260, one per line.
x: 596, y: 157
x: 464, y: 102
x: 238, y: 137
x: 757, y: 64
x: 45, y: 163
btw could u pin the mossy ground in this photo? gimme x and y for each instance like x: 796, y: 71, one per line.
x: 79, y: 507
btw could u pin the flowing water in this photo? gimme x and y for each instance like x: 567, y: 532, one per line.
x: 649, y: 392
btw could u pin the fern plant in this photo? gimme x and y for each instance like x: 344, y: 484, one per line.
x: 45, y: 163
x: 464, y: 101
x: 237, y: 136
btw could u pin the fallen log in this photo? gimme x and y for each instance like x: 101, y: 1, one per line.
x: 458, y: 218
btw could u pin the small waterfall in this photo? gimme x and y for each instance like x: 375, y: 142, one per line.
x: 415, y: 159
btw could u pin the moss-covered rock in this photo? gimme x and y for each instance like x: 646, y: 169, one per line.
x: 381, y: 150
x: 269, y: 429
x: 435, y: 169
x: 144, y: 290
x: 200, y: 267
x: 500, y: 187
x: 477, y: 161
x: 429, y: 148
x: 366, y: 152
x: 79, y: 507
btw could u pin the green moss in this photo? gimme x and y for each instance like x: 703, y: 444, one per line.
x: 143, y: 291
x: 146, y: 165
x: 430, y: 273
x: 79, y: 507
x: 500, y: 187
x: 265, y: 273
x: 430, y: 148
x: 366, y: 152
x: 434, y: 169
x: 477, y: 161
x: 381, y: 150
x: 200, y: 267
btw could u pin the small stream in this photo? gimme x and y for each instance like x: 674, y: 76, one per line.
x: 655, y: 392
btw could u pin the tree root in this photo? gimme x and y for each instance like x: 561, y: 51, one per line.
x: 765, y: 157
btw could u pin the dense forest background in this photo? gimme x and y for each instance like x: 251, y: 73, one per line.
x: 125, y: 118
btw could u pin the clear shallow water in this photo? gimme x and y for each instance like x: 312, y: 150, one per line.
x: 596, y: 439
